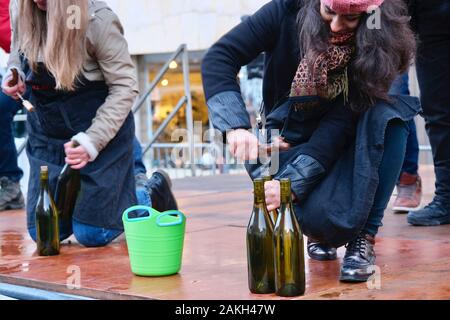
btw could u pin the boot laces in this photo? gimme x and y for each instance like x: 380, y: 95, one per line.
x: 357, y: 246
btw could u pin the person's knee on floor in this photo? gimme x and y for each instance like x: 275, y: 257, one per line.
x: 64, y: 234
x: 94, y: 237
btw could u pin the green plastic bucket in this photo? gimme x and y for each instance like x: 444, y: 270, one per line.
x: 155, y: 243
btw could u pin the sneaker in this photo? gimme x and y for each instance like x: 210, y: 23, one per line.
x: 159, y: 187
x: 359, y: 260
x: 409, y: 195
x: 11, y: 197
x: 435, y: 214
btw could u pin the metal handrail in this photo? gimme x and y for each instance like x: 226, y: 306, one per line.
x: 185, y: 100
x: 166, y: 122
x: 139, y: 103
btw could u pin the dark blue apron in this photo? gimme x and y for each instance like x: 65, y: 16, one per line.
x: 107, y: 184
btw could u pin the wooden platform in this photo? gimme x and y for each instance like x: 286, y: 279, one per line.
x: 414, y: 262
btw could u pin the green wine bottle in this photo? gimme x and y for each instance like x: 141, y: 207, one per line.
x: 67, y: 190
x: 47, y: 220
x: 261, y: 274
x: 289, y: 249
x: 274, y: 213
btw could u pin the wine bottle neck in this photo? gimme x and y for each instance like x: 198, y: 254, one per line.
x: 286, y: 195
x: 259, y: 192
x: 44, y: 181
x: 259, y: 200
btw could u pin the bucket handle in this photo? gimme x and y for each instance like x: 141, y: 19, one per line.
x: 136, y: 208
x: 170, y: 224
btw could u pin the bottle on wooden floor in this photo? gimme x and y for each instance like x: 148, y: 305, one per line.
x: 261, y: 276
x: 289, y: 248
x: 273, y: 213
x: 47, y: 220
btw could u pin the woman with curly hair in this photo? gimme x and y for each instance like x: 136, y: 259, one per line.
x: 329, y: 65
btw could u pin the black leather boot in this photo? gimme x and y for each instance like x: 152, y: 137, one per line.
x: 321, y: 252
x: 359, y: 260
x: 159, y: 188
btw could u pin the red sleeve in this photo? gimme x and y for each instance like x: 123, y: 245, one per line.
x: 5, y: 26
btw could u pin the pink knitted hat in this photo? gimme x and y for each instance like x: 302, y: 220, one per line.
x: 351, y: 6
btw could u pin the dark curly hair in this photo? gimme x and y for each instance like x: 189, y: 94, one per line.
x: 381, y: 54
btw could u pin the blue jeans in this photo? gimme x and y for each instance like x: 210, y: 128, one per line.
x: 8, y: 152
x: 411, y: 163
x: 88, y: 236
x: 139, y: 166
x: 396, y: 140
x: 142, y: 193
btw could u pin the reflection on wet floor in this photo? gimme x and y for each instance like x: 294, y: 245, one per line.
x: 11, y: 244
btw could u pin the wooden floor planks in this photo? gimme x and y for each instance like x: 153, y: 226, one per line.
x: 414, y: 262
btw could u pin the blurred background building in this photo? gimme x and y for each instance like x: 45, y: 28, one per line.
x: 154, y: 30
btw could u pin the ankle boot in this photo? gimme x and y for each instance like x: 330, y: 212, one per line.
x: 159, y: 188
x: 359, y: 260
x: 321, y: 252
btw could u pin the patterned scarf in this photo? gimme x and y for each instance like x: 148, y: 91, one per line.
x: 328, y: 79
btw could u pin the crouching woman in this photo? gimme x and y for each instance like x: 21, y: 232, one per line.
x: 83, y: 87
x: 326, y: 83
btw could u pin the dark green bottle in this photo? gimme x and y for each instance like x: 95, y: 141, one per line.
x: 274, y: 213
x: 289, y: 250
x: 261, y: 275
x: 67, y: 190
x: 47, y: 220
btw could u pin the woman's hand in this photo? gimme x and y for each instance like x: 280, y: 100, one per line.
x: 279, y: 144
x: 77, y: 158
x: 273, y: 195
x: 243, y: 145
x: 11, y: 87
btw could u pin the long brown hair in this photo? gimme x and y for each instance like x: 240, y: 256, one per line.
x: 381, y: 54
x: 44, y: 36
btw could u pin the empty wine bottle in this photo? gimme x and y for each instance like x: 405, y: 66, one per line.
x: 67, y: 190
x: 289, y: 249
x: 261, y: 276
x: 47, y: 221
x: 273, y: 213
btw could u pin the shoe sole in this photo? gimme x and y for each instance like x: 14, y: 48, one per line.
x: 354, y: 279
x: 427, y: 223
x: 403, y: 210
x: 321, y: 258
x: 12, y: 207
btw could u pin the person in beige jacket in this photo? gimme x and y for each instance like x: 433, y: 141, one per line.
x: 83, y: 86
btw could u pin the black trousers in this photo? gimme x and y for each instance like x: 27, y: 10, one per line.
x: 433, y: 70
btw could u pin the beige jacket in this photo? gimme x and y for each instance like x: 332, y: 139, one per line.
x: 108, y: 59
